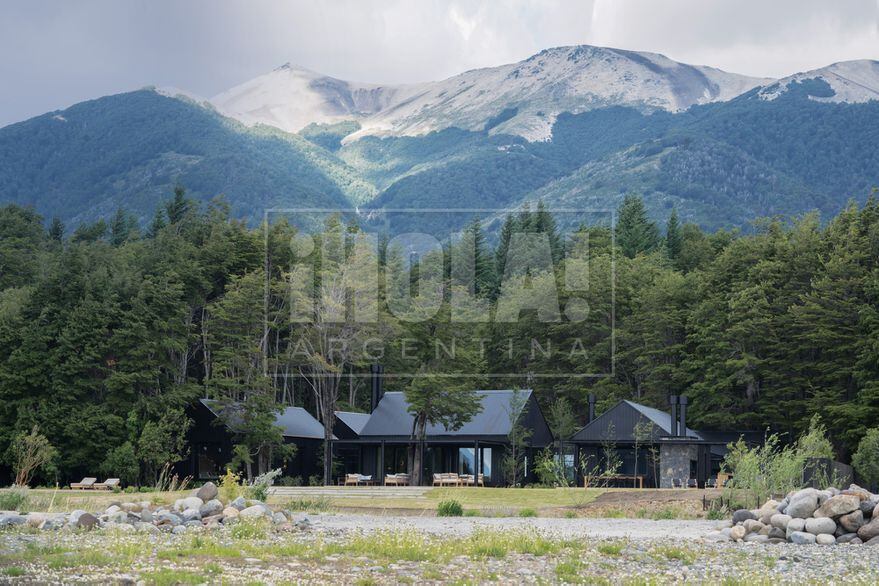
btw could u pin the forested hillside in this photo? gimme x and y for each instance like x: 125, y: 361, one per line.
x: 108, y: 332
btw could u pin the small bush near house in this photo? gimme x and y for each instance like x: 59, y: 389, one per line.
x: 527, y: 512
x: 450, y: 508
x: 259, y: 490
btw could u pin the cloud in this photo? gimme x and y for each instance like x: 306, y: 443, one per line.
x: 57, y: 52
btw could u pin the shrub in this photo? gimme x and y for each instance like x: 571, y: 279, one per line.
x: 259, y: 490
x: 866, y: 458
x: 14, y: 499
x: 29, y: 453
x: 527, y: 512
x: 121, y: 462
x: 230, y: 486
x: 716, y: 515
x: 289, y: 481
x: 449, y: 508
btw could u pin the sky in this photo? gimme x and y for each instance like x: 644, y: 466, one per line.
x: 54, y: 53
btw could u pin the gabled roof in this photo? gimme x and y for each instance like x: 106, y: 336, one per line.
x: 623, y: 417
x: 391, y: 417
x: 295, y: 422
x: 355, y: 421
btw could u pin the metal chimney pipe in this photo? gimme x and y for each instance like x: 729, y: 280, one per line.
x: 673, y: 401
x: 375, y: 370
x: 683, y: 427
x: 591, y: 398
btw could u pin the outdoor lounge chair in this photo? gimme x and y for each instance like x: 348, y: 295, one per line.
x: 352, y: 479
x: 711, y: 483
x: 446, y: 479
x: 87, y: 484
x: 469, y: 480
x: 692, y: 483
x: 677, y: 483
x: 396, y: 479
x: 108, y: 484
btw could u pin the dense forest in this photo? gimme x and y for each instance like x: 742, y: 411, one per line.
x: 109, y: 332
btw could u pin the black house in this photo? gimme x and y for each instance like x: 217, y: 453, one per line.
x: 667, y: 450
x: 382, y: 445
x: 211, y: 441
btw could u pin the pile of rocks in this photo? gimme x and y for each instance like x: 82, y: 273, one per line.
x: 806, y: 516
x: 202, y: 510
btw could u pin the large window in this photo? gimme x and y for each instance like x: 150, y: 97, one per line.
x: 210, y: 461
x: 467, y: 461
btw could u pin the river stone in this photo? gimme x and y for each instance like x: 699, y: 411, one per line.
x: 279, y: 518
x: 801, y: 538
x: 780, y: 520
x: 852, y: 522
x: 737, y: 533
x: 131, y: 507
x: 239, y: 503
x: 52, y: 523
x: 861, y: 493
x: 85, y: 521
x: 12, y: 519
x: 167, y: 518
x: 782, y: 505
x: 178, y: 530
x: 752, y: 526
x: 803, y: 504
x: 230, y: 513
x: 257, y: 511
x: 190, y: 515
x: 192, y: 502
x: 756, y: 538
x: 819, y: 526
x: 824, y: 539
x: 120, y: 527
x: 146, y: 516
x: 207, y: 492
x: 146, y: 527
x: 870, y: 530
x: 873, y: 541
x: 838, y: 505
x: 112, y: 509
x: 776, y: 533
x: 210, y: 508
x: 742, y: 515
x: 876, y: 511
x: 716, y: 536
x: 823, y: 496
x: 846, y: 538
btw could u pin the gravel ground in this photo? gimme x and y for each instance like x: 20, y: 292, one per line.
x: 358, y: 549
x: 551, y: 527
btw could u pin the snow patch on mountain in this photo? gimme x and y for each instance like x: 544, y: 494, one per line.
x: 520, y: 98
x: 851, y: 82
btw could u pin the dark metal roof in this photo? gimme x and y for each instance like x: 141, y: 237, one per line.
x: 295, y: 422
x: 392, y: 418
x: 623, y: 417
x: 355, y: 421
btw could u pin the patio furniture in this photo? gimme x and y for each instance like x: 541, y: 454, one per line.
x: 108, y: 484
x: 87, y: 483
x: 677, y: 483
x: 711, y: 483
x: 358, y: 480
x: 446, y: 479
x: 469, y: 480
x: 397, y: 479
x: 692, y: 483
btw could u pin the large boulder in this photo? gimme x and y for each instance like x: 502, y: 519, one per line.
x: 795, y: 525
x: 870, y: 530
x: 873, y: 541
x: 210, y: 508
x: 824, y: 539
x: 753, y: 526
x: 192, y: 502
x: 820, y: 526
x: 12, y: 519
x: 742, y: 515
x: 846, y: 537
x: 207, y: 492
x: 776, y: 533
x: 856, y: 490
x: 801, y: 538
x: 838, y: 505
x: 802, y: 503
x: 780, y: 520
x: 190, y: 515
x: 230, y: 513
x: 756, y: 538
x: 737, y: 533
x: 85, y: 521
x: 852, y: 521
x: 257, y: 511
